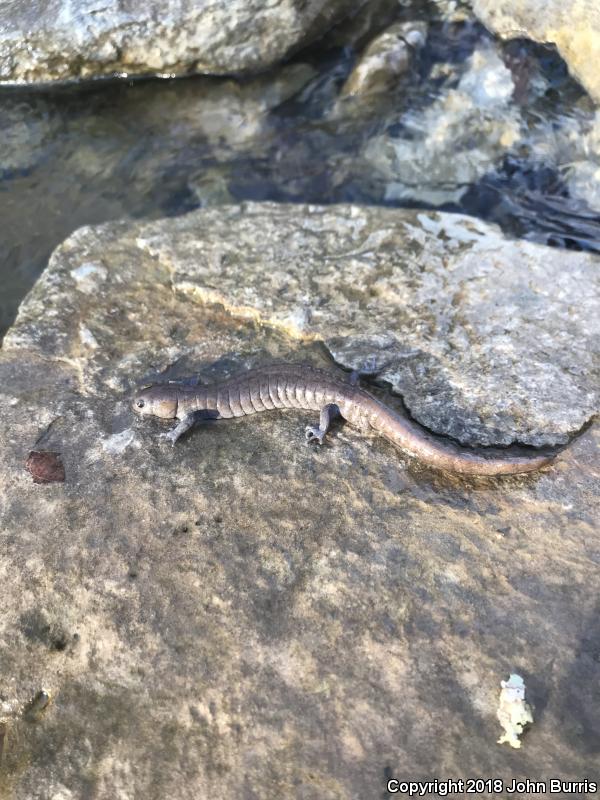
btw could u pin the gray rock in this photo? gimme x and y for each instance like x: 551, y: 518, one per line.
x: 573, y: 27
x: 583, y: 171
x: 243, y: 615
x: 455, y: 140
x: 387, y: 57
x: 58, y: 40
x: 470, y: 119
x: 488, y: 340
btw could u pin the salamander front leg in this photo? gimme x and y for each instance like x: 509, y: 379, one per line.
x: 328, y: 413
x: 191, y: 419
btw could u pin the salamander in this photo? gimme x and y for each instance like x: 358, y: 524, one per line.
x: 299, y: 386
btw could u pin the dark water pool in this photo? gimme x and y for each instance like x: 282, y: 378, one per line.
x: 495, y: 130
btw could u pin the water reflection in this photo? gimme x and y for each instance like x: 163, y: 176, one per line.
x: 496, y: 130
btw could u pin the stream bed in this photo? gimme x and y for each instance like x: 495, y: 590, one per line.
x: 495, y: 130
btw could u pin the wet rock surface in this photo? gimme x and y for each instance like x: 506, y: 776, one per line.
x: 387, y: 57
x: 487, y: 340
x: 489, y: 136
x: 399, y: 105
x: 475, y: 121
x: 64, y: 40
x: 573, y: 27
x: 77, y: 157
x: 244, y: 615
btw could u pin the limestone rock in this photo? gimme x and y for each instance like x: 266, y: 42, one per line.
x: 57, y: 40
x: 573, y: 27
x: 244, y: 616
x: 488, y: 340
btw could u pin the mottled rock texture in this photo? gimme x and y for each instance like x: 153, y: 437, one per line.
x: 57, y: 40
x: 387, y: 57
x: 244, y: 616
x: 440, y: 150
x: 574, y: 27
x: 488, y: 340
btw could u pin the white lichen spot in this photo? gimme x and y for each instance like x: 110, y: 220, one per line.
x: 488, y: 81
x: 61, y: 793
x: 9, y: 708
x: 87, y: 338
x: 89, y: 276
x: 450, y: 576
x: 513, y: 712
x: 119, y: 442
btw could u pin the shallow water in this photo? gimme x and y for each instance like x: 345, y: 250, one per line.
x: 81, y: 155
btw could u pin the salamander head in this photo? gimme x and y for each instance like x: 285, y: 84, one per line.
x: 159, y: 400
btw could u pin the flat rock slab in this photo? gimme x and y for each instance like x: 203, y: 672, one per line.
x: 488, y: 340
x: 42, y: 41
x: 245, y: 616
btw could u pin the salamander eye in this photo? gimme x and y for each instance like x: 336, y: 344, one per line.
x: 140, y: 404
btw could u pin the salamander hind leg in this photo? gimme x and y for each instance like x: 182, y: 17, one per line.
x: 369, y: 369
x: 328, y: 414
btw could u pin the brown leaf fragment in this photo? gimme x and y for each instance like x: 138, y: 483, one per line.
x: 45, y: 466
